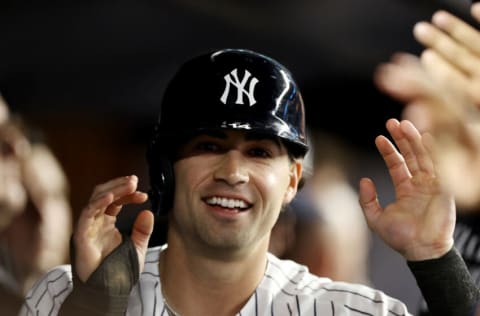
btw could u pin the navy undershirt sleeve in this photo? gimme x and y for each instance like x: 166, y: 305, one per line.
x: 107, y: 290
x: 446, y: 285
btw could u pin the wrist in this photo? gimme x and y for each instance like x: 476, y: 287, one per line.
x: 422, y: 253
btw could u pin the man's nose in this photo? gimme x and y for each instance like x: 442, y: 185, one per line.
x: 232, y: 168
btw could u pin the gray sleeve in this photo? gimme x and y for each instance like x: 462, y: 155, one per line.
x: 446, y: 284
x: 107, y: 290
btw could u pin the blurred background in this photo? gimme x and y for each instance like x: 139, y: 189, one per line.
x: 90, y: 76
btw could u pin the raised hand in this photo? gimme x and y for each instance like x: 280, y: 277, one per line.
x: 96, y: 235
x: 453, y: 52
x: 429, y: 104
x: 440, y: 95
x: 419, y: 223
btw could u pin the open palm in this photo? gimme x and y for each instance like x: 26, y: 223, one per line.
x: 419, y: 224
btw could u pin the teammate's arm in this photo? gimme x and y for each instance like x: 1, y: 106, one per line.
x: 420, y: 223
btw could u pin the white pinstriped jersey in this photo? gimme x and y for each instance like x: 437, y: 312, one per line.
x: 286, y: 289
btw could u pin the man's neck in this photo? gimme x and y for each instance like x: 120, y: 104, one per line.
x: 193, y: 284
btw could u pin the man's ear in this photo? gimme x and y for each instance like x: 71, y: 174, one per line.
x: 295, y: 176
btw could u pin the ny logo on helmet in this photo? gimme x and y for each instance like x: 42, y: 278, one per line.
x: 232, y: 79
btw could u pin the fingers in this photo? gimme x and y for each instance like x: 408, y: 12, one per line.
x: 422, y: 154
x: 429, y: 147
x: 459, y: 30
x: 411, y: 157
x: 96, y: 234
x: 442, y: 72
x: 475, y: 11
x: 394, y: 161
x: 89, y: 213
x: 135, y: 198
x: 403, y: 78
x: 455, y: 40
x: 400, y: 164
x: 457, y: 48
x: 108, y: 198
x: 416, y: 83
x: 118, y: 186
x: 454, y: 89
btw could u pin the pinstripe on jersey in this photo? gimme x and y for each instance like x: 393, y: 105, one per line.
x: 286, y: 289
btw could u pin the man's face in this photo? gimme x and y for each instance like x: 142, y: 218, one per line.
x: 38, y: 235
x: 230, y: 187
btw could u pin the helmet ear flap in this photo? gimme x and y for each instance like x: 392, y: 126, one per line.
x: 162, y: 183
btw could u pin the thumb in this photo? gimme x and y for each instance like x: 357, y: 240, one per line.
x: 369, y: 202
x: 141, y: 232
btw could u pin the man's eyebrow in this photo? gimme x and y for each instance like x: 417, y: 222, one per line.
x: 249, y: 136
x: 262, y: 136
x: 213, y: 133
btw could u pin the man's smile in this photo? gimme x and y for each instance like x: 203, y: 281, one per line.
x: 228, y: 203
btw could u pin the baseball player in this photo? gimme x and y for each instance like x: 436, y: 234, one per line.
x: 35, y: 215
x: 225, y: 157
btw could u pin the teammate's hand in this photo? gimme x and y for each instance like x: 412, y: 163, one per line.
x: 429, y: 104
x: 441, y: 92
x: 96, y: 235
x: 420, y: 223
x: 453, y: 51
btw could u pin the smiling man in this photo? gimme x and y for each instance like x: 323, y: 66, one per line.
x: 225, y: 158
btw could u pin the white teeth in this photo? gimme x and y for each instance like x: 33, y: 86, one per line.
x: 227, y: 203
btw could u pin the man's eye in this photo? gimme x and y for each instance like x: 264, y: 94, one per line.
x: 259, y: 152
x: 6, y: 149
